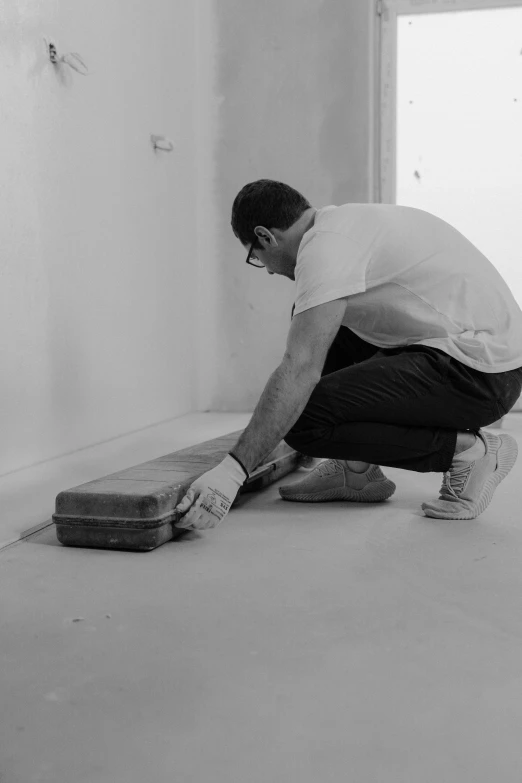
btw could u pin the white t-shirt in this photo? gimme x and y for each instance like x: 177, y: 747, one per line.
x: 410, y: 278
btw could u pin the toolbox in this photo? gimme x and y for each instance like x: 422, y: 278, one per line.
x: 134, y: 509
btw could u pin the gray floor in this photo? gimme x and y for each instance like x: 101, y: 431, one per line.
x: 295, y: 643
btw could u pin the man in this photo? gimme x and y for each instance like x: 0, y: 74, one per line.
x: 404, y: 342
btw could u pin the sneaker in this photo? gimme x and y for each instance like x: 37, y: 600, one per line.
x: 468, y: 487
x: 331, y: 480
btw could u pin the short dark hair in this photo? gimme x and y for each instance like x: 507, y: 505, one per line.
x: 265, y: 203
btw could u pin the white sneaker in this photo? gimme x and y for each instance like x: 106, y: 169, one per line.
x: 331, y: 480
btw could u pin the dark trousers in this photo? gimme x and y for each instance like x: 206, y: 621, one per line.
x: 400, y: 407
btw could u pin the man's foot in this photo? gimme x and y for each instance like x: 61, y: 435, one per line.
x: 469, y: 484
x: 333, y: 480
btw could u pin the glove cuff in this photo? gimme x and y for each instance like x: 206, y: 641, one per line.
x: 245, y: 471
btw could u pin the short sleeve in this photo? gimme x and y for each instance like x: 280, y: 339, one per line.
x: 329, y: 266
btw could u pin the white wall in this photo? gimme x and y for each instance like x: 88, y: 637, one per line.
x: 124, y: 296
x: 295, y: 81
x: 98, y: 266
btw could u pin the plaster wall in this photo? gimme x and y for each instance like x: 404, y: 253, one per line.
x: 296, y: 90
x: 98, y: 267
x: 124, y: 297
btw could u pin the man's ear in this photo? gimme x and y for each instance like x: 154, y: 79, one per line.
x: 265, y: 236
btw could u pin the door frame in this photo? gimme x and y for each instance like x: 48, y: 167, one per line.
x: 388, y: 11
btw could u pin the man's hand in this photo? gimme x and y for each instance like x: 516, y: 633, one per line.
x: 209, y: 498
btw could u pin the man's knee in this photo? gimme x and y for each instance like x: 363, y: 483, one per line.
x: 296, y: 437
x: 293, y: 441
x: 303, y: 441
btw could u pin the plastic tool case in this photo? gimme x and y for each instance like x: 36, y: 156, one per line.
x: 134, y: 509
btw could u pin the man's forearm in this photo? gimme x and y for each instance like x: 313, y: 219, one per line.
x: 282, y: 402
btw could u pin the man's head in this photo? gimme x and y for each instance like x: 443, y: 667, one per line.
x: 271, y: 218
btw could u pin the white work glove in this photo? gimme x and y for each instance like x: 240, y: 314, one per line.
x: 208, y: 500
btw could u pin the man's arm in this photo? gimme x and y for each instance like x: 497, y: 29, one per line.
x: 209, y: 498
x: 289, y: 388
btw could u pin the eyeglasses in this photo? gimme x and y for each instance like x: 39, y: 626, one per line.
x: 259, y: 266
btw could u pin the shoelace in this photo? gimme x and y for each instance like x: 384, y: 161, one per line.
x: 454, y: 481
x: 329, y: 468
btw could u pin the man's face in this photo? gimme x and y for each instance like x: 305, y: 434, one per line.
x: 274, y: 254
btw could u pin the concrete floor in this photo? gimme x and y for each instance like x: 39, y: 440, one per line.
x: 294, y: 644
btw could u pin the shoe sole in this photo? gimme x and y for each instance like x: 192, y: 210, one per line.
x: 372, y: 493
x: 506, y: 458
